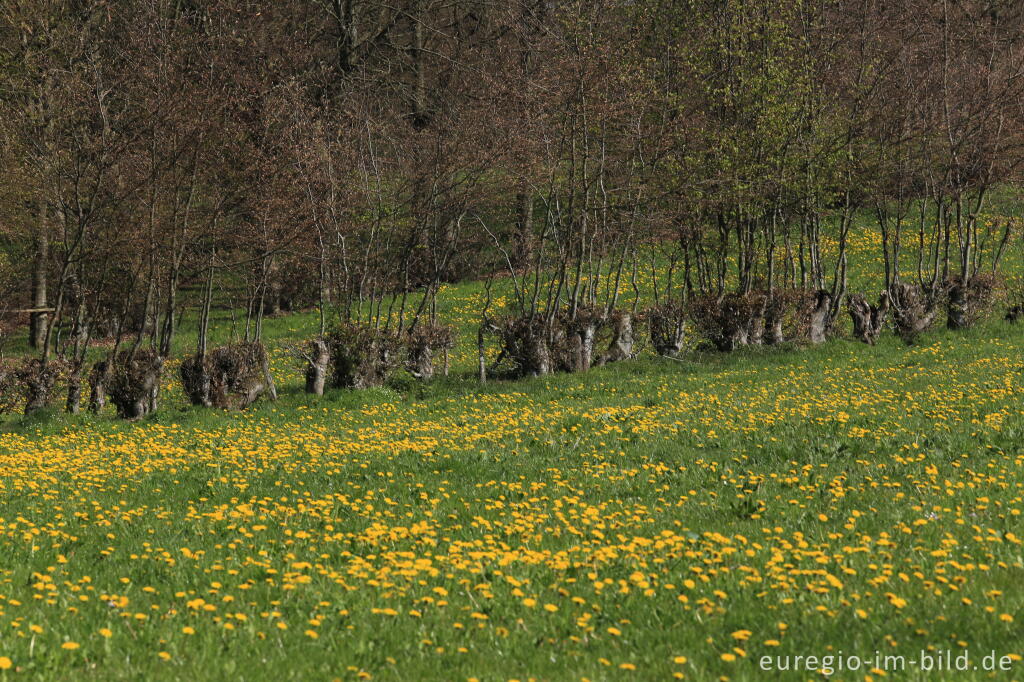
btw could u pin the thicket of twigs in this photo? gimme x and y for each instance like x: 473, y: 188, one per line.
x: 163, y: 159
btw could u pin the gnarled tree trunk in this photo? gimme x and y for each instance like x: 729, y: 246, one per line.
x: 230, y: 377
x: 868, y: 320
x: 38, y: 379
x: 582, y: 346
x: 913, y: 309
x: 621, y: 346
x: 968, y: 300
x: 667, y: 326
x: 74, y: 400
x: 98, y: 377
x: 135, y: 383
x: 820, y: 321
x: 756, y: 326
x: 319, y: 360
x: 423, y: 343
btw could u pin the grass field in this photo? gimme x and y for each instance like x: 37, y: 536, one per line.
x: 649, y: 520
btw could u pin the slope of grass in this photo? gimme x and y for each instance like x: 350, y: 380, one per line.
x: 651, y: 519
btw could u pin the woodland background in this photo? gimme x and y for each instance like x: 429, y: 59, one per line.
x: 161, y: 159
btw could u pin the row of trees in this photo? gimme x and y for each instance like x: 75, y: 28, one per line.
x: 169, y: 157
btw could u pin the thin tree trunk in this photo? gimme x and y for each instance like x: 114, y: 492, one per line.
x: 38, y: 320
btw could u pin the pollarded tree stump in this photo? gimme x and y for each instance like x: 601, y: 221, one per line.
x: 422, y: 346
x: 667, y: 327
x: 756, y: 323
x: 572, y: 339
x: 524, y: 342
x: 788, y: 315
x: 868, y: 319
x: 99, y: 375
x: 621, y: 345
x: 317, y: 367
x: 820, y: 321
x: 229, y: 377
x: 727, y: 321
x: 775, y: 309
x: 583, y: 340
x: 914, y: 310
x: 37, y: 379
x: 135, y: 383
x: 968, y: 301
x: 362, y: 356
x: 73, y: 405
